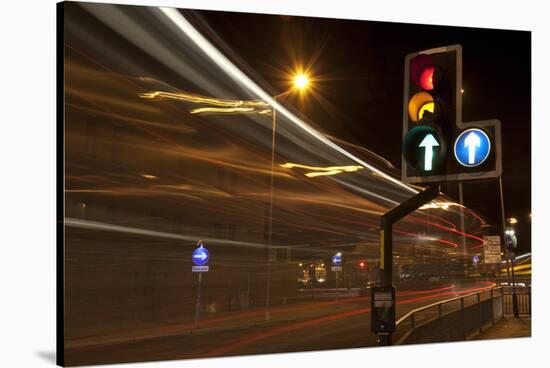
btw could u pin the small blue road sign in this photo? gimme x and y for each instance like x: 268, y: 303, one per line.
x: 472, y: 147
x: 200, y: 255
x: 337, y: 259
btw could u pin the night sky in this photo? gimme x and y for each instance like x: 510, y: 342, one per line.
x: 357, y: 68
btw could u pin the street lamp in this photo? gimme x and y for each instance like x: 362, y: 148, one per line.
x: 512, y: 220
x: 300, y: 82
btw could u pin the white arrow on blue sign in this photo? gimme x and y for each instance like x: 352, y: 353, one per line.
x: 200, y: 256
x: 472, y: 147
x: 337, y: 260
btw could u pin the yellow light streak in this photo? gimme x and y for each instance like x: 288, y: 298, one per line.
x: 222, y: 110
x: 322, y: 171
x: 202, y: 99
x: 223, y: 106
x: 442, y: 205
x: 149, y: 176
x: 519, y: 267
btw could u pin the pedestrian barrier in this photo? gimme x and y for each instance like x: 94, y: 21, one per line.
x: 522, y: 300
x: 461, y: 317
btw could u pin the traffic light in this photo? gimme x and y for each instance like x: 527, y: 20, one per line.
x: 436, y: 145
x: 362, y: 265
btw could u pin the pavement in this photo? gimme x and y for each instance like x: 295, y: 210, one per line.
x: 507, y: 327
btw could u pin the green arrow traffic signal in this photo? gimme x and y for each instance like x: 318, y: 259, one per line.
x: 424, y: 149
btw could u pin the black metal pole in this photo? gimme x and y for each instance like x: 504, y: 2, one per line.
x: 386, y: 224
x: 509, y: 261
x: 514, y: 295
x: 386, y: 262
x: 386, y: 239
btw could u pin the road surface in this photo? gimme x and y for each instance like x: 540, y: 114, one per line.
x: 314, y: 325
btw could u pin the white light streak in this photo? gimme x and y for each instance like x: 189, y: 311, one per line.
x: 237, y: 75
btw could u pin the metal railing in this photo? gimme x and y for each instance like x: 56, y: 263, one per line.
x: 461, y: 317
x: 522, y: 300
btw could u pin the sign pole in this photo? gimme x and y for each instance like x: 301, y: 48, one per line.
x: 336, y: 284
x: 198, y: 305
x: 462, y: 228
x: 503, y: 218
x: 200, y: 258
x: 509, y: 261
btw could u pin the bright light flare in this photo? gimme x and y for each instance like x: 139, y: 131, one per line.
x: 301, y: 81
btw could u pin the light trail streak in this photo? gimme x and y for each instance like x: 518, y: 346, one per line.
x: 223, y: 106
x: 377, y: 173
x: 179, y: 329
x: 94, y: 225
x: 454, y: 245
x: 321, y: 320
x: 237, y: 75
x: 322, y: 171
x: 203, y: 100
x: 451, y: 230
x: 228, y: 110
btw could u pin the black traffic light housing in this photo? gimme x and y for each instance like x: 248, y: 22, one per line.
x: 432, y: 106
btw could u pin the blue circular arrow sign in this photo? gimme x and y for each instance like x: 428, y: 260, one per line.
x: 472, y: 147
x: 337, y: 260
x: 200, y: 256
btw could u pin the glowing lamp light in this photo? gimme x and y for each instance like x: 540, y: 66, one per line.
x: 426, y: 78
x: 301, y: 81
